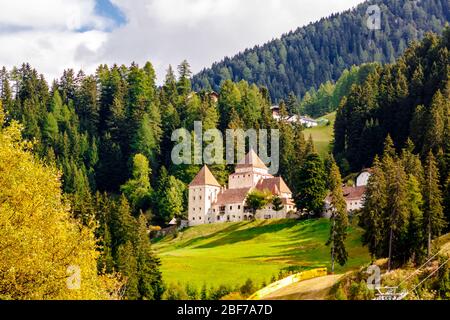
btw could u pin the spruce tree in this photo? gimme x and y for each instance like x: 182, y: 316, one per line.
x: 372, y: 218
x: 397, y: 214
x: 311, y: 185
x: 339, y: 219
x: 433, y: 211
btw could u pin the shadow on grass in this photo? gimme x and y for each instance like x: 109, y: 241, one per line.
x: 224, y: 231
x: 250, y: 233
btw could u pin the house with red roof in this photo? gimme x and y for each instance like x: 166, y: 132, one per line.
x: 353, y: 195
x: 209, y: 202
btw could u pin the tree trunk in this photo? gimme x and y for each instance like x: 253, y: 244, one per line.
x: 429, y: 239
x: 391, y: 235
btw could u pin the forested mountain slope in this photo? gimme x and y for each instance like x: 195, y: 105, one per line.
x: 319, y: 52
x: 407, y: 100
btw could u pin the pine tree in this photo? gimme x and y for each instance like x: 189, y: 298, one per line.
x: 339, y: 219
x: 150, y: 283
x: 311, y: 185
x: 147, y: 138
x: 397, y: 214
x: 414, y: 244
x: 372, y: 218
x: 432, y: 195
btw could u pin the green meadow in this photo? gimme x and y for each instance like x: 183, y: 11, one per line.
x: 230, y: 253
x: 322, y: 134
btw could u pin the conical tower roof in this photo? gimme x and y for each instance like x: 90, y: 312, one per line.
x: 204, y: 178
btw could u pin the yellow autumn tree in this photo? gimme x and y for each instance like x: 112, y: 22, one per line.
x: 44, y: 253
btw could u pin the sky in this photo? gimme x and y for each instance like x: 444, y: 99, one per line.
x: 53, y: 35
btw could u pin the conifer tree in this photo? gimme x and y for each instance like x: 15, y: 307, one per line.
x: 432, y: 195
x: 372, y: 218
x: 397, y: 214
x: 339, y: 219
x: 311, y: 185
x: 413, y: 248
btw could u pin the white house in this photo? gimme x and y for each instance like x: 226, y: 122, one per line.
x: 363, y: 177
x: 306, y: 121
x: 209, y: 202
x: 354, y: 195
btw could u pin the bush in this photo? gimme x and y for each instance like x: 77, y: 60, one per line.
x: 248, y: 288
x: 175, y: 292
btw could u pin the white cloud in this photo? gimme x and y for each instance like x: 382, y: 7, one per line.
x: 51, y: 14
x: 162, y: 31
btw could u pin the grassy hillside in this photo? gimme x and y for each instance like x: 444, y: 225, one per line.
x: 322, y: 134
x: 231, y: 253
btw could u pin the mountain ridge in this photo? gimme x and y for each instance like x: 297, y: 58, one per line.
x: 320, y: 51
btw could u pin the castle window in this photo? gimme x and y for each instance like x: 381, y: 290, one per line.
x: 193, y: 209
x: 239, y: 207
x: 193, y: 218
x: 194, y: 198
x: 199, y: 218
x: 200, y: 197
x: 231, y: 207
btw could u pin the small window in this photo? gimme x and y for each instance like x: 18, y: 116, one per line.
x: 239, y: 207
x: 193, y: 209
x: 231, y: 207
x: 193, y: 218
x: 199, y: 218
x: 200, y: 197
x: 194, y: 198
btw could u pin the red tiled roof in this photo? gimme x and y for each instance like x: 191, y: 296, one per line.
x: 354, y: 193
x: 276, y: 185
x: 231, y: 196
x: 204, y: 177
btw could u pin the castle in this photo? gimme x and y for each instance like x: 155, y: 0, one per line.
x: 209, y: 202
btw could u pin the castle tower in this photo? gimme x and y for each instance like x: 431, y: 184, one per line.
x: 203, y: 191
x: 249, y: 171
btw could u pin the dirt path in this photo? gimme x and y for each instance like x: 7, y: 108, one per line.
x: 312, y: 289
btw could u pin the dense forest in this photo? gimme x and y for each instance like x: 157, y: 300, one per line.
x: 398, y: 123
x: 319, y: 52
x: 109, y: 135
x: 407, y: 100
x: 86, y: 160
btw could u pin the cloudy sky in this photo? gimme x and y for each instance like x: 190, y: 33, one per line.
x: 57, y: 34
